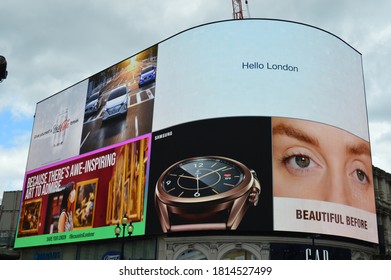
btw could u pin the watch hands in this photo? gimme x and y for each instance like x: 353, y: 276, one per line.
x: 198, y: 178
x: 211, y: 172
x: 197, y: 193
x: 189, y: 177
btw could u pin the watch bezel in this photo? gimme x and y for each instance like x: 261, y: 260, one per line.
x: 236, y: 192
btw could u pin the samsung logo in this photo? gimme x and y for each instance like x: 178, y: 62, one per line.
x: 163, y: 135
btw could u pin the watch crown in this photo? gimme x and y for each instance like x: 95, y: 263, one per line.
x: 253, y: 197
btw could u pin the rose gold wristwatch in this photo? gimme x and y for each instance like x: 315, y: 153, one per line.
x: 205, y: 193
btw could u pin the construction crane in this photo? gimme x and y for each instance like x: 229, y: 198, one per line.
x: 238, y: 9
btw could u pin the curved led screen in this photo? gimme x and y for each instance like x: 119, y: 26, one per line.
x: 252, y: 125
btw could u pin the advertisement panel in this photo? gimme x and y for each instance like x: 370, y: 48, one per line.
x: 110, y: 107
x: 212, y: 174
x: 57, y: 127
x: 276, y: 70
x: 260, y: 68
x: 252, y: 125
x: 83, y: 198
x: 120, y: 102
x: 322, y: 180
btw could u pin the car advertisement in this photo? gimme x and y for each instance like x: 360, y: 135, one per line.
x: 267, y: 132
x: 119, y: 104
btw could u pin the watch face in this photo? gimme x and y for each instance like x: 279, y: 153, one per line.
x: 202, y: 177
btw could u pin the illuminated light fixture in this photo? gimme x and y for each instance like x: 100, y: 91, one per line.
x: 117, y: 231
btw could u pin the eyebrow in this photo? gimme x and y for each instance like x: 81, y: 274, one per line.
x: 360, y: 149
x: 294, y: 132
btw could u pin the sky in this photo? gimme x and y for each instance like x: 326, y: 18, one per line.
x: 51, y: 45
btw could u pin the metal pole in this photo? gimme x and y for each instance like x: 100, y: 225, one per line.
x: 122, y: 248
x: 123, y: 242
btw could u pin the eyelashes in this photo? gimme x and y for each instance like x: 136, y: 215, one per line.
x: 299, y: 164
x: 299, y: 161
x: 360, y: 176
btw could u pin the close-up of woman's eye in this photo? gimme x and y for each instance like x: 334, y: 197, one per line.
x: 297, y: 161
x: 361, y: 176
x: 359, y: 173
x: 299, y: 164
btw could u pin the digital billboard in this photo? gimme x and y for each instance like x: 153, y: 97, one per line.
x: 212, y: 174
x: 82, y: 198
x: 253, y: 125
x: 322, y: 180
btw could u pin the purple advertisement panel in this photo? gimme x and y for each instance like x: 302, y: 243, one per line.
x: 83, y: 198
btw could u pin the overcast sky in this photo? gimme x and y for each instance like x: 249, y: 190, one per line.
x: 51, y: 45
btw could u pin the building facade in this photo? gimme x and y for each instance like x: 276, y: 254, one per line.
x: 9, y: 213
x: 382, y: 183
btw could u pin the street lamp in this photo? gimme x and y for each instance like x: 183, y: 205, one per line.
x: 125, y: 227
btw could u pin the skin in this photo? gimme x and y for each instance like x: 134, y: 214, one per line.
x: 320, y: 162
x: 61, y: 221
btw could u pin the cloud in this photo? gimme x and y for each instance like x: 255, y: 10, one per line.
x: 376, y: 54
x: 11, y: 169
x: 60, y: 43
x: 381, y: 144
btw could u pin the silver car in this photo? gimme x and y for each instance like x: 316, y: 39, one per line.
x: 91, y: 105
x: 117, y: 103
